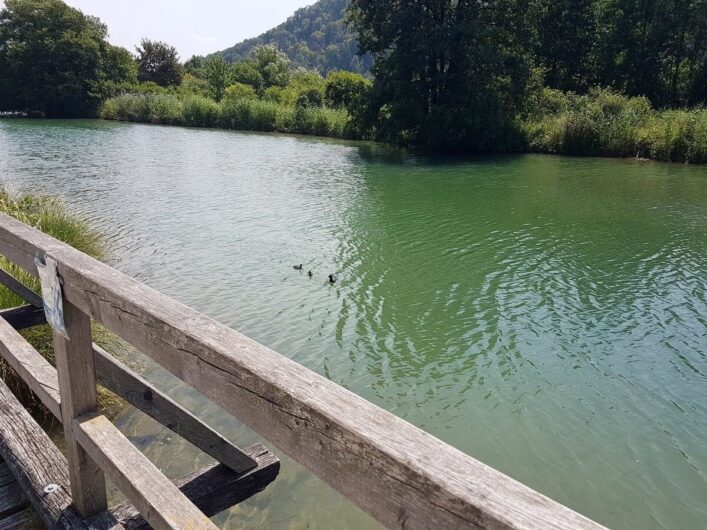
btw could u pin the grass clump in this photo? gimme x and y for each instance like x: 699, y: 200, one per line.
x: 604, y: 123
x: 239, y: 109
x: 52, y: 217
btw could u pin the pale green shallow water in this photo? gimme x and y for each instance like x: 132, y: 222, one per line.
x: 546, y: 315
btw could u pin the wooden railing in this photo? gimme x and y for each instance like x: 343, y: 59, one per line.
x: 401, y: 475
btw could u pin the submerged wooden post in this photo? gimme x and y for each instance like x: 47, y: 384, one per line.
x: 77, y: 383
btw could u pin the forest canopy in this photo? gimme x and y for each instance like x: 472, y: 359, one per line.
x: 56, y: 61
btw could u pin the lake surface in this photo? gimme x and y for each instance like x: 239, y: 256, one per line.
x: 546, y: 315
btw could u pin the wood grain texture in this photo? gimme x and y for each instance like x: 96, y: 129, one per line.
x: 212, y: 489
x: 403, y: 476
x: 77, y: 385
x: 31, y: 366
x: 24, y: 520
x: 41, y: 377
x: 157, y: 499
x: 135, y: 390
x: 35, y: 462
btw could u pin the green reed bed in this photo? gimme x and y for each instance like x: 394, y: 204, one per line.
x: 604, y: 123
x: 240, y: 113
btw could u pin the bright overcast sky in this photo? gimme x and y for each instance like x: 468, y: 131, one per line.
x: 191, y: 26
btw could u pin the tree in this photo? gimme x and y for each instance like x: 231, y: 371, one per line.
x: 565, y: 49
x: 449, y: 74
x: 55, y: 60
x: 346, y: 89
x: 158, y: 62
x: 273, y: 65
x: 217, y: 74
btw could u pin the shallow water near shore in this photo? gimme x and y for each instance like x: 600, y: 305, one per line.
x: 546, y: 315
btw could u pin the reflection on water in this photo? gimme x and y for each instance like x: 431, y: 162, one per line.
x: 546, y: 315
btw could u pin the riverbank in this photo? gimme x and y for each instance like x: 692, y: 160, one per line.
x: 601, y: 123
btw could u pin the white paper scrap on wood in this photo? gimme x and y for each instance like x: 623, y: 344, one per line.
x: 51, y: 293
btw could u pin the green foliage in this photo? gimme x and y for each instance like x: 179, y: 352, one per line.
x: 449, y: 76
x: 605, y: 123
x: 217, y: 75
x: 319, y: 121
x: 273, y: 66
x: 246, y: 73
x: 315, y: 37
x: 310, y: 97
x: 56, y: 61
x: 239, y: 109
x: 158, y: 62
x: 199, y: 111
x: 239, y: 91
x: 675, y: 135
x: 194, y: 85
x: 249, y: 114
x: 656, y: 49
x: 346, y: 90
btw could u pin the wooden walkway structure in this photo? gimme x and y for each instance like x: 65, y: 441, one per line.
x: 401, y: 475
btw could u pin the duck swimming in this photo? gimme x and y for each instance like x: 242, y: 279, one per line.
x: 309, y: 273
x: 332, y: 278
x: 298, y: 267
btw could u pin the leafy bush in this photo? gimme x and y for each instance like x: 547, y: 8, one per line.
x: 239, y: 91
x: 675, y: 135
x: 599, y: 123
x: 345, y: 89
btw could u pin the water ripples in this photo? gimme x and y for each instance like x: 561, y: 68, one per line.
x: 544, y: 314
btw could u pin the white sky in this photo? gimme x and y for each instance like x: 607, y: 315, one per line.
x: 193, y: 27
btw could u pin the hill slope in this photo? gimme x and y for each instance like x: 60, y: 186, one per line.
x: 314, y: 37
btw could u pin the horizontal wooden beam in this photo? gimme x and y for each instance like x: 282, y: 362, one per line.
x: 212, y: 489
x: 20, y: 289
x: 24, y: 520
x: 41, y: 377
x: 23, y: 317
x: 31, y: 366
x: 35, y: 463
x: 138, y: 392
x: 157, y: 499
x: 398, y: 473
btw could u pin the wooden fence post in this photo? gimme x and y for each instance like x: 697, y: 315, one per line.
x: 77, y: 385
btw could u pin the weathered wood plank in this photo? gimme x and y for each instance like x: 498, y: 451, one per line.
x: 135, y: 390
x: 23, y: 317
x: 398, y: 473
x: 5, y: 474
x: 12, y: 500
x: 31, y: 366
x: 20, y: 289
x: 41, y: 377
x: 35, y: 462
x: 77, y: 385
x: 212, y: 489
x: 157, y: 499
x: 24, y: 520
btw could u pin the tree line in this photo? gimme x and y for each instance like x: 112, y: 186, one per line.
x: 570, y: 76
x: 456, y: 74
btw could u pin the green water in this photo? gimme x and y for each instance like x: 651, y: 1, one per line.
x: 547, y: 315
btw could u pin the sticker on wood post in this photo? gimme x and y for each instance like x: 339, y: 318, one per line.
x: 51, y: 294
